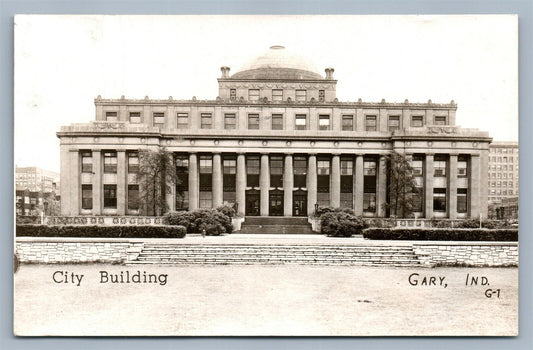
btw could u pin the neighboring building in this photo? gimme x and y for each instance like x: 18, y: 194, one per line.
x: 503, y: 171
x: 36, y: 179
x: 276, y: 142
x: 32, y: 203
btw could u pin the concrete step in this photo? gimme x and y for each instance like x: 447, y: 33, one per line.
x: 275, y: 220
x: 277, y: 229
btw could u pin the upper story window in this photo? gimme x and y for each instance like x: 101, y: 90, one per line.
x: 253, y: 94
x: 417, y: 121
x: 324, y: 122
x: 86, y: 162
x: 322, y: 167
x: 277, y: 95
x: 301, y: 95
x: 371, y: 123
x: 347, y: 122
x: 462, y: 166
x: 277, y: 121
x: 394, y: 123
x: 206, y: 121
x: 417, y: 165
x: 111, y: 116
x: 439, y: 166
x: 229, y: 121
x: 133, y: 162
x: 369, y: 167
x: 253, y: 121
x: 440, y: 120
x: 159, y: 119
x: 182, y: 120
x: 301, y: 122
x: 232, y: 94
x: 321, y: 95
x: 110, y: 162
x: 135, y: 117
x: 346, y: 167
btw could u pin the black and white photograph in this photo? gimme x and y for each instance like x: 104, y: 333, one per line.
x: 266, y: 175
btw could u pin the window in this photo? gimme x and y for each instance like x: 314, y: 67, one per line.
x: 182, y: 120
x: 229, y: 169
x: 159, y: 119
x: 182, y: 181
x: 462, y: 167
x: 206, y: 199
x: 321, y: 95
x: 133, y: 162
x: 206, y: 181
x: 346, y: 183
x: 301, y: 95
x: 277, y: 95
x: 418, y: 166
x: 347, y: 122
x: 110, y: 162
x: 323, y: 167
x: 439, y: 166
x: 371, y: 123
x: 86, y: 162
x: 253, y: 121
x: 439, y: 199
x: 206, y: 121
x: 369, y: 168
x: 440, y: 120
x: 346, y: 167
x: 323, y: 122
x: 229, y: 121
x: 300, y: 171
x: 417, y: 121
x: 111, y: 116
x: 277, y: 122
x: 86, y: 196
x: 133, y: 197
x: 253, y: 167
x: 110, y: 196
x: 369, y: 202
x: 301, y: 122
x: 394, y: 122
x: 135, y: 117
x: 276, y: 171
x: 232, y: 94
x: 253, y: 94
x: 462, y: 200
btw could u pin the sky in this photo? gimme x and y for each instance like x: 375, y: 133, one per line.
x: 62, y: 63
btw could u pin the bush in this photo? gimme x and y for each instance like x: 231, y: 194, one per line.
x: 137, y: 231
x: 340, y: 223
x: 227, y: 210
x: 442, y: 234
x: 322, y: 210
x: 181, y: 218
x: 468, y: 223
x: 214, y: 222
x: 28, y: 219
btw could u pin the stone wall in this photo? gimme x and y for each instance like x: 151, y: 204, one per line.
x: 467, y: 253
x: 104, y: 220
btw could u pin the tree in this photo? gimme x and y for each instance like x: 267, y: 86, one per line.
x: 157, y: 176
x: 402, y: 189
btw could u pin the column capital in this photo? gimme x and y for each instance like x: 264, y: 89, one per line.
x: 241, y: 153
x: 430, y: 154
x: 216, y: 152
x: 265, y: 153
x: 311, y: 154
x: 455, y: 154
x: 336, y: 154
x: 288, y: 154
x: 359, y: 154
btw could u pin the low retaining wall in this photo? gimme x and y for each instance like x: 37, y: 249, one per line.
x: 104, y: 220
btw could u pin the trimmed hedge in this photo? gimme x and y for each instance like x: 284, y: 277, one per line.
x: 213, y: 221
x: 101, y: 231
x: 442, y: 234
x: 341, y: 223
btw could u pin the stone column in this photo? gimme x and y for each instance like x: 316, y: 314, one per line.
x: 240, y: 186
x: 217, y: 180
x: 452, y: 187
x: 171, y: 189
x: 65, y: 172
x: 475, y: 186
x: 381, y: 187
x: 121, y: 183
x: 194, y: 190
x: 358, y: 178
x: 97, y: 182
x: 311, y: 184
x: 428, y: 186
x: 264, y: 185
x: 335, y: 188
x: 288, y: 184
x: 75, y: 188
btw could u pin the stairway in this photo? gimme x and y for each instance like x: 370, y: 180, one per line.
x: 245, y: 254
x: 276, y: 225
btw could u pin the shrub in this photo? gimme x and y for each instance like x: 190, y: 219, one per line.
x: 182, y: 218
x: 468, y: 223
x: 441, y: 223
x: 322, y: 210
x: 442, y: 234
x: 227, y: 210
x: 137, y: 231
x: 340, y: 223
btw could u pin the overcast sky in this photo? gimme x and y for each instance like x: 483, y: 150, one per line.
x: 63, y: 62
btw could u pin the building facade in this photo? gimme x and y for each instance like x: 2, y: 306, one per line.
x: 36, y: 179
x: 503, y: 171
x: 275, y: 142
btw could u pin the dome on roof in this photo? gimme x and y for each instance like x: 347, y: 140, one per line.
x: 278, y: 63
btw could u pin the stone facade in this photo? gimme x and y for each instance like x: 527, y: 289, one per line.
x: 467, y: 253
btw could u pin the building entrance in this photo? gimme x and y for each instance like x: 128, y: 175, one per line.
x: 252, y: 203
x: 276, y: 203
x: 299, y: 203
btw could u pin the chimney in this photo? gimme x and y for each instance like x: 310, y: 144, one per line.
x: 225, y: 71
x: 329, y: 73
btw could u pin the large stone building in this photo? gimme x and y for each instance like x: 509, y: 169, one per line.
x: 276, y: 142
x: 503, y: 171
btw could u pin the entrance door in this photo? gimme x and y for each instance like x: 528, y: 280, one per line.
x: 276, y: 203
x: 299, y: 203
x: 252, y: 203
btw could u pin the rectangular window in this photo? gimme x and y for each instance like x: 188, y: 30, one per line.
x: 182, y: 182
x: 232, y: 94
x: 462, y: 200
x: 394, y: 123
x: 418, y: 166
x: 300, y: 171
x: 347, y: 122
x: 301, y: 95
x: 439, y: 166
x: 135, y: 117
x: 439, y: 199
x: 301, y: 122
x: 462, y: 166
x: 347, y: 176
x: 229, y: 121
x: 324, y: 122
x: 417, y: 121
x: 86, y: 161
x: 253, y: 167
x: 276, y: 171
x: 206, y: 200
x: 110, y: 162
x: 322, y: 167
x: 253, y: 94
x: 159, y: 119
x: 253, y: 121
x: 369, y: 168
x: 440, y: 120
x: 321, y: 95
x: 371, y: 123
x: 110, y: 196
x: 86, y: 196
x: 133, y: 162
x: 277, y: 95
x: 206, y: 122
x: 369, y: 202
x: 133, y: 197
x: 182, y: 121
x: 229, y: 170
x: 111, y: 116
x: 277, y: 122
x: 206, y: 181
